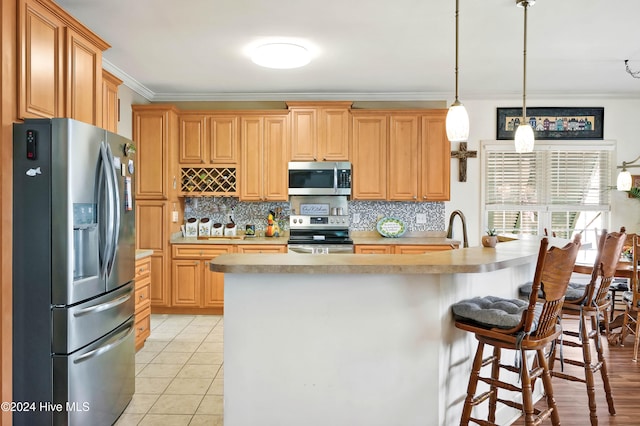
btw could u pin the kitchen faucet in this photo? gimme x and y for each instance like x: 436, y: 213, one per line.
x: 465, y: 239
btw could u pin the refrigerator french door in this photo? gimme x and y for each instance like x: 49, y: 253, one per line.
x: 73, y: 273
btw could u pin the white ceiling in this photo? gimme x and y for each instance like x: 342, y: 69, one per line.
x: 368, y: 49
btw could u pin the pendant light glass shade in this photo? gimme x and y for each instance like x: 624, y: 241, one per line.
x: 524, y: 139
x: 457, y: 123
x: 457, y: 117
x: 624, y: 181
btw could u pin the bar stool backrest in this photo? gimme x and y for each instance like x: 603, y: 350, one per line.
x: 609, y: 250
x: 553, y: 272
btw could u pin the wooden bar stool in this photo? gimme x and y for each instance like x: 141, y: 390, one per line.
x: 631, y: 323
x: 591, y: 307
x: 521, y: 326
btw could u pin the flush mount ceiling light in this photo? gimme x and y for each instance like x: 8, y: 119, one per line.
x: 524, y: 138
x: 280, y: 55
x: 457, y: 122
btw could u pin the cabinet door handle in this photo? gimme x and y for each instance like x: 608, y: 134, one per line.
x: 415, y: 198
x: 197, y: 263
x: 174, y: 183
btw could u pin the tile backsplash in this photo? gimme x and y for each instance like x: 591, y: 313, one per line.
x: 219, y: 209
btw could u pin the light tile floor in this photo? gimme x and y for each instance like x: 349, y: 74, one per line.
x: 179, y: 373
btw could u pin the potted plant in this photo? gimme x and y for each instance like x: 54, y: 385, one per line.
x: 491, y: 239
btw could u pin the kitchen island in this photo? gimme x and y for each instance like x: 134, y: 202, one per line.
x: 356, y: 339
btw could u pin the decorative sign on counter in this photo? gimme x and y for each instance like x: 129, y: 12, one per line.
x: 391, y: 227
x: 314, y: 209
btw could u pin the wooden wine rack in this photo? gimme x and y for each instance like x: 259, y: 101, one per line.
x: 200, y: 181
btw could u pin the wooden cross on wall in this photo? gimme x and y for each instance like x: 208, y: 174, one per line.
x: 462, y: 154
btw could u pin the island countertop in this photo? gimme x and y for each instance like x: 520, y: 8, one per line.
x: 465, y: 260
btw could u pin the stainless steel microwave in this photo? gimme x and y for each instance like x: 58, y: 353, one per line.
x: 319, y: 178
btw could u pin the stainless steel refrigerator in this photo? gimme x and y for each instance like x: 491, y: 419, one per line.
x: 73, y: 273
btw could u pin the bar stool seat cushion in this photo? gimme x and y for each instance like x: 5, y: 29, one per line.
x: 627, y: 296
x: 493, y: 312
x: 575, y: 291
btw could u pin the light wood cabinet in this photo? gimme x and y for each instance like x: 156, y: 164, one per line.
x: 192, y: 138
x: 409, y: 162
x: 208, y: 138
x: 419, y: 249
x: 260, y: 248
x: 84, y: 79
x: 151, y: 234
x: 435, y: 157
x: 110, y: 101
x: 403, y: 157
x: 263, y: 158
x: 399, y: 248
x: 59, y: 64
x: 224, y: 139
x: 369, y: 156
x: 143, y: 301
x: 373, y: 249
x: 419, y: 157
x: 155, y: 135
x: 41, y: 68
x: 319, y: 131
x: 194, y: 285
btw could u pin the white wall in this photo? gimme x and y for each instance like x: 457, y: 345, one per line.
x: 620, y: 124
x: 127, y: 98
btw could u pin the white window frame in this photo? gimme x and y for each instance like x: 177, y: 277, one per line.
x: 545, y: 211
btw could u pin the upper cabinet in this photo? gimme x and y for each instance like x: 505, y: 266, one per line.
x: 208, y: 138
x: 60, y: 64
x: 369, y: 156
x: 263, y: 153
x: 400, y: 156
x: 319, y: 131
x: 110, y: 101
x: 155, y: 135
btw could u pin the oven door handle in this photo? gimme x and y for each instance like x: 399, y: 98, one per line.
x: 301, y: 250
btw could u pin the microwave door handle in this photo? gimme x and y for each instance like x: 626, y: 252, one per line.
x: 115, y: 208
x: 335, y: 177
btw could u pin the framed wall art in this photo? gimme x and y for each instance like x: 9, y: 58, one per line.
x: 553, y: 122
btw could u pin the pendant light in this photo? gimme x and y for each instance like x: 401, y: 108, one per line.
x: 457, y: 118
x: 524, y: 138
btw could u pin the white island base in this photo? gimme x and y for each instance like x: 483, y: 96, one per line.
x: 345, y: 349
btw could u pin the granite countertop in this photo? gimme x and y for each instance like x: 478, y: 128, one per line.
x: 465, y: 260
x: 141, y: 254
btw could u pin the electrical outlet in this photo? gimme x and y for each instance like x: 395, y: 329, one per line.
x: 356, y: 217
x: 175, y: 216
x: 421, y: 218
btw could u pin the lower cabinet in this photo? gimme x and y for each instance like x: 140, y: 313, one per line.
x: 194, y: 285
x: 399, y: 248
x: 261, y: 248
x: 143, y: 301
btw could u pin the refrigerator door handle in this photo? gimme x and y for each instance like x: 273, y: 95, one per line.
x: 102, y: 220
x: 115, y: 208
x: 108, y: 209
x: 103, y: 306
x: 105, y: 348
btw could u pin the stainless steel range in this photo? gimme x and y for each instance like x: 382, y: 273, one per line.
x: 319, y: 225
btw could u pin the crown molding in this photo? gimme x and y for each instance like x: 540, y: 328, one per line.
x: 129, y: 81
x: 152, y: 96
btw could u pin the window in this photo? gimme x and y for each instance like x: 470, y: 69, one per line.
x: 559, y: 188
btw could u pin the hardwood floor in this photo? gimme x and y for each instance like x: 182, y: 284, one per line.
x: 624, y: 377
